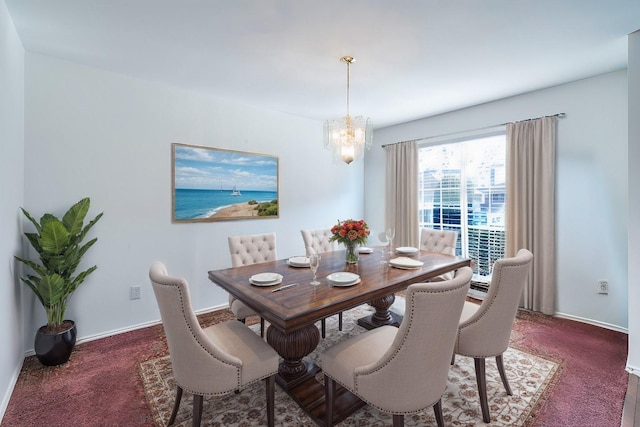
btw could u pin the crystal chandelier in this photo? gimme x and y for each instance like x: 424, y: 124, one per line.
x: 348, y: 136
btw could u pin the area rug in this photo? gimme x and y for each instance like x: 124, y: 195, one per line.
x: 532, y: 378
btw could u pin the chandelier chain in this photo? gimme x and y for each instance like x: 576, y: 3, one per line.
x: 348, y: 64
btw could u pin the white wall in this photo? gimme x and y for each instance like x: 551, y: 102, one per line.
x: 591, y: 184
x: 633, y: 362
x: 106, y: 136
x: 11, y: 196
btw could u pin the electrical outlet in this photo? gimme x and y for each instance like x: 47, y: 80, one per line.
x: 135, y: 292
x: 603, y: 287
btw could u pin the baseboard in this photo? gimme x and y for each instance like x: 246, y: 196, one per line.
x: 9, y: 391
x: 482, y: 295
x: 592, y: 322
x: 113, y: 332
x: 630, y: 406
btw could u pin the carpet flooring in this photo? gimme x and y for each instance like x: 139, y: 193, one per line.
x: 102, y: 385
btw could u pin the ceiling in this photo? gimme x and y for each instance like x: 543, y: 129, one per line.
x: 413, y: 58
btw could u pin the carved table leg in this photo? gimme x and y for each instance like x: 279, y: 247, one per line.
x: 293, y: 347
x: 382, y: 316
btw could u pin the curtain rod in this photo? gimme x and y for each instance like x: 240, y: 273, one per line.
x: 558, y: 115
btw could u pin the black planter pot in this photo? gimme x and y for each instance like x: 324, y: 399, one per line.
x: 54, y: 349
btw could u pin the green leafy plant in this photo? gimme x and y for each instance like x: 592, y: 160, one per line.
x: 59, y: 244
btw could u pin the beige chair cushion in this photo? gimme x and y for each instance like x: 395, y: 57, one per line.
x: 342, y: 359
x: 239, y: 341
x: 404, y: 370
x: 214, y: 361
x: 485, y: 330
x: 318, y: 240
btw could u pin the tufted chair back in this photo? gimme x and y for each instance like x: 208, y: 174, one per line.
x: 441, y: 241
x: 252, y: 249
x: 318, y: 240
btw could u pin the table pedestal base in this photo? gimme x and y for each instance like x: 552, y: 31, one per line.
x: 383, y: 316
x: 303, y: 380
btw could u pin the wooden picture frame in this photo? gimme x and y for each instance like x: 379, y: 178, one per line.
x: 214, y: 184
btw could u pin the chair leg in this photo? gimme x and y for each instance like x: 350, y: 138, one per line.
x: 503, y: 375
x: 481, y: 379
x: 243, y: 320
x: 340, y: 321
x: 261, y: 327
x: 398, y: 420
x: 197, y: 410
x: 437, y: 412
x: 270, y: 386
x: 329, y: 395
x: 323, y: 328
x: 453, y: 359
x: 176, y: 405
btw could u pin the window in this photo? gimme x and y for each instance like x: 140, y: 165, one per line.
x: 462, y: 187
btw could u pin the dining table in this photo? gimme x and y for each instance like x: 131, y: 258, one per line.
x: 293, y: 311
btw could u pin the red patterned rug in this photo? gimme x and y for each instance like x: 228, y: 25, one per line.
x: 531, y: 378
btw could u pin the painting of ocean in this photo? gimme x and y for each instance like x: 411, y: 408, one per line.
x: 198, y: 204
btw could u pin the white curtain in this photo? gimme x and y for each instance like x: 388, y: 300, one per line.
x: 531, y: 208
x: 401, y: 192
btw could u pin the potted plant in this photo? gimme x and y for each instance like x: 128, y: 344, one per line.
x: 60, y: 248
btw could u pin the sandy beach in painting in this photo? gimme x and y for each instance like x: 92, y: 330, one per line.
x: 237, y: 210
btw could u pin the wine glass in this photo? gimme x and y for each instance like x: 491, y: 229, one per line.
x: 314, y: 263
x: 390, y: 233
x: 385, y: 242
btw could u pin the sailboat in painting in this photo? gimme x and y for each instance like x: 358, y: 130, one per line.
x: 235, y: 191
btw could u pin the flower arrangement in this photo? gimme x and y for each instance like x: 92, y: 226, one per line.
x: 350, y: 232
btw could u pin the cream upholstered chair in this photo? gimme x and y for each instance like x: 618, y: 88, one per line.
x: 485, y: 329
x: 247, y: 250
x: 214, y: 361
x: 402, y: 370
x: 318, y: 241
x: 441, y: 241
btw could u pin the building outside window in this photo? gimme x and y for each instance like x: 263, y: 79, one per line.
x: 462, y: 188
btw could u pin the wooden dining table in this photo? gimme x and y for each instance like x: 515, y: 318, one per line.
x: 293, y: 312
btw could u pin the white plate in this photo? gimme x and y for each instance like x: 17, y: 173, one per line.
x: 298, y: 261
x: 404, y: 262
x: 343, y: 278
x: 265, y: 278
x: 344, y: 285
x: 365, y: 250
x: 275, y: 282
x: 406, y: 250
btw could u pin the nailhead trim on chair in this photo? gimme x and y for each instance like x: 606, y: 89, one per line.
x: 392, y: 357
x: 498, y: 282
x: 238, y: 367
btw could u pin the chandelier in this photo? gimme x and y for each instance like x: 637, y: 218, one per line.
x: 348, y: 136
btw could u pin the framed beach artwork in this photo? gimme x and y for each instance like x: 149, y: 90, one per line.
x: 213, y: 184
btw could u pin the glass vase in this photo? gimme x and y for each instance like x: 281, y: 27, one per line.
x: 352, y: 255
